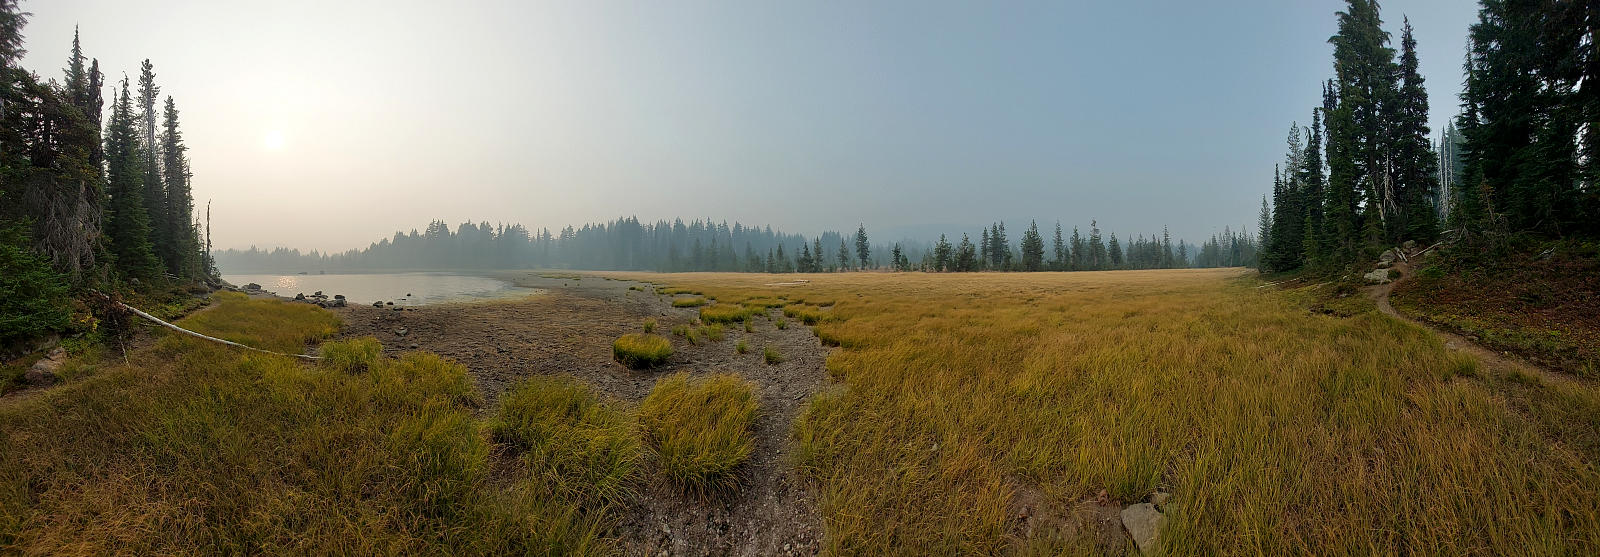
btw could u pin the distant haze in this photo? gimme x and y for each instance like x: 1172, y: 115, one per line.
x: 329, y: 125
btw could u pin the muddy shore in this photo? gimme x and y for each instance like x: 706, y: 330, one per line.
x: 568, y: 328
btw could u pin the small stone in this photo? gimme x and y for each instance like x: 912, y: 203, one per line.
x: 389, y: 303
x: 300, y: 296
x: 415, y: 346
x: 1144, y: 524
x: 377, y: 304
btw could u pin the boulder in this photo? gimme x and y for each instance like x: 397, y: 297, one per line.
x: 252, y: 287
x: 337, y: 302
x: 1144, y: 524
x: 300, y: 297
x: 1378, y: 276
x: 1409, y: 246
x: 377, y: 304
x: 1387, y: 257
x: 43, y: 371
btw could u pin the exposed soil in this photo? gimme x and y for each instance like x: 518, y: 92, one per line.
x: 569, y: 329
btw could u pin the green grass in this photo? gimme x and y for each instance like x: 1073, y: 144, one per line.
x: 689, y: 302
x: 749, y: 326
x: 650, y: 325
x: 351, y: 356
x: 741, y: 347
x: 200, y: 448
x: 641, y: 351
x: 781, y: 323
x: 570, y: 439
x: 700, y: 429
x: 771, y: 355
x: 713, y: 332
x: 809, y: 315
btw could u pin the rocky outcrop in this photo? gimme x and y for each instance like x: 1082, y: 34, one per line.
x: 1144, y: 523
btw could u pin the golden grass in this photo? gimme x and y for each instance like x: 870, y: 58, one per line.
x: 700, y: 428
x: 200, y: 448
x: 571, y: 439
x: 688, y: 302
x: 726, y: 313
x: 1278, y: 429
x: 641, y: 351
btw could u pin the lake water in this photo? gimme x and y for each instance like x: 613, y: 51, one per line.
x: 404, y: 289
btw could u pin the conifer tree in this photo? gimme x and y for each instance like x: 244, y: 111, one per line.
x: 844, y: 256
x: 155, y: 196
x: 185, y: 248
x: 1415, y: 161
x: 1079, y: 251
x: 1116, y: 252
x: 1032, y: 248
x: 863, y: 250
x: 1059, y: 249
x: 942, y: 253
x: 127, y: 226
x: 1097, y: 247
x: 966, y: 255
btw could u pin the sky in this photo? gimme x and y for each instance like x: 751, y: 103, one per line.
x: 328, y: 125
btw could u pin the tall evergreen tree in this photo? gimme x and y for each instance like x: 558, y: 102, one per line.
x: 863, y: 249
x: 844, y: 256
x: 155, y: 196
x: 1032, y: 248
x: 1415, y: 162
x: 942, y: 253
x: 127, y: 226
x: 185, y: 242
x: 1058, y: 250
x: 966, y: 257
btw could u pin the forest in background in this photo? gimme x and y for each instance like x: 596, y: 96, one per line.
x: 705, y: 245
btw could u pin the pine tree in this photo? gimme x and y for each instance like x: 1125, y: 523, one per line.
x: 1312, y: 194
x: 844, y: 256
x: 1415, y: 161
x: 1116, y: 252
x: 155, y: 197
x: 127, y: 227
x: 1097, y: 247
x: 1059, y: 249
x: 1032, y: 248
x: 966, y: 255
x: 942, y: 253
x: 863, y: 251
x: 1079, y: 251
x: 897, y: 257
x: 185, y: 247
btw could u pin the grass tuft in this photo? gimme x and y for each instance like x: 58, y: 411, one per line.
x: 689, y: 302
x: 725, y: 313
x: 771, y: 355
x: 701, y: 429
x: 569, y: 438
x: 640, y: 351
x: 351, y: 356
x: 650, y: 325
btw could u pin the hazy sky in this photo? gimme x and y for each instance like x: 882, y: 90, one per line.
x: 330, y: 124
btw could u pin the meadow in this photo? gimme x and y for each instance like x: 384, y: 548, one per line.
x: 969, y: 414
x: 1279, y: 425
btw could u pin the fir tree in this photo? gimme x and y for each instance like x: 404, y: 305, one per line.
x: 127, y: 227
x: 1032, y: 248
x: 844, y: 256
x: 1059, y: 249
x: 185, y: 248
x: 966, y: 255
x: 942, y: 253
x: 1415, y: 161
x: 863, y: 251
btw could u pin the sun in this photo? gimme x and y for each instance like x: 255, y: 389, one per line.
x: 273, y: 140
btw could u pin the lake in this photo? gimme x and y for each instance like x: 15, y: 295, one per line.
x: 404, y: 289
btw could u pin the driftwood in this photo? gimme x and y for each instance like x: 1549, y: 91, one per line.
x: 157, y: 321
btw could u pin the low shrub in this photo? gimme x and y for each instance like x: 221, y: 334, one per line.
x: 701, y: 429
x: 641, y: 351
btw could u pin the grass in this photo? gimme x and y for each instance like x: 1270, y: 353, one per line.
x: 726, y: 313
x: 712, y: 332
x: 809, y: 315
x: 200, y: 448
x: 771, y: 355
x: 781, y: 323
x: 641, y: 351
x: 650, y: 325
x: 1278, y: 429
x: 689, y: 302
x: 570, y: 439
x: 700, y: 429
x: 741, y: 347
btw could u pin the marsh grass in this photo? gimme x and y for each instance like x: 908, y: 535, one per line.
x: 570, y: 439
x: 809, y: 315
x: 1279, y: 430
x: 640, y: 351
x: 650, y: 325
x: 713, y: 332
x: 726, y: 313
x: 197, y: 448
x: 688, y: 302
x: 741, y: 347
x: 700, y: 429
x: 781, y: 323
x: 771, y: 355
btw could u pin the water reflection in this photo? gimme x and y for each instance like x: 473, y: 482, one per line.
x: 400, y: 288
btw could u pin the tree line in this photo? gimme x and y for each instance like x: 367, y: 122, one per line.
x: 706, y: 245
x: 85, y: 201
x: 1365, y: 175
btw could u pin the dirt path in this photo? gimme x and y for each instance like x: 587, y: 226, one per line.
x: 569, y: 329
x: 1497, y: 361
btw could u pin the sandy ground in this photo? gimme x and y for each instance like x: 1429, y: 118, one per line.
x: 569, y: 329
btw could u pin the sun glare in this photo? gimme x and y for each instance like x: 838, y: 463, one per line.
x: 273, y: 140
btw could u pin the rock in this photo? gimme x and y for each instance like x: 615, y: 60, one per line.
x: 1144, y: 524
x: 1159, y: 499
x: 339, y: 302
x: 398, y: 308
x: 415, y: 346
x: 1387, y: 258
x: 1379, y: 276
x: 43, y: 371
x: 377, y: 304
x: 390, y: 303
x: 338, y: 296
x: 1384, y: 264
x: 252, y: 286
x: 300, y: 297
x: 401, y: 331
x: 317, y: 293
x: 1410, y: 245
